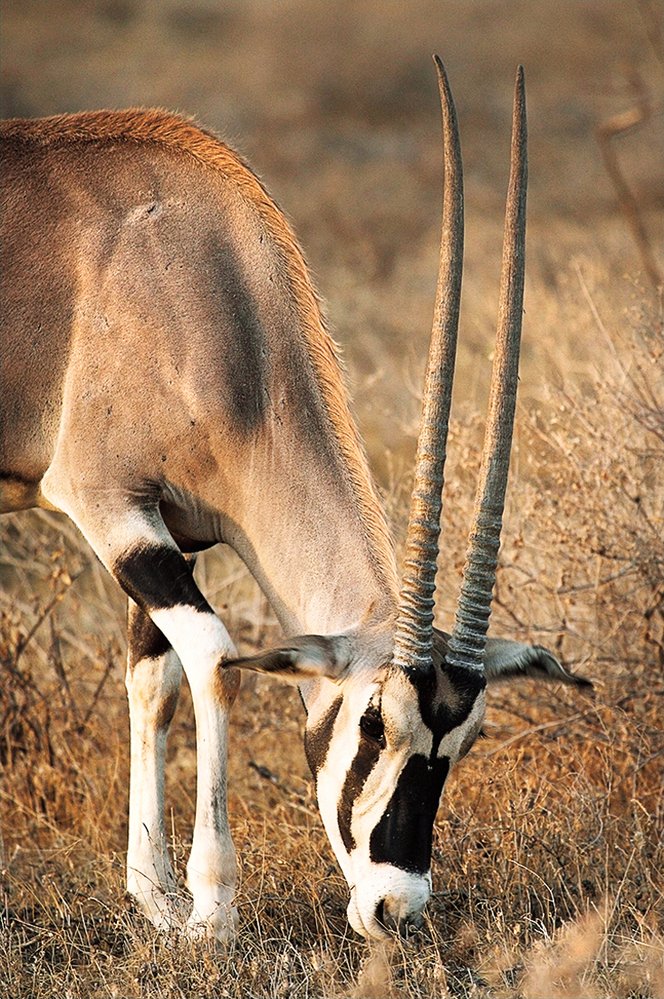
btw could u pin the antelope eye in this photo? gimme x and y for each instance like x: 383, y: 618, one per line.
x: 371, y: 724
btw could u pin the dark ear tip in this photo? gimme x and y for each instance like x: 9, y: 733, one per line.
x: 557, y: 671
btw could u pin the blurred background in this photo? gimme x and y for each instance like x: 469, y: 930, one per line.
x: 335, y: 106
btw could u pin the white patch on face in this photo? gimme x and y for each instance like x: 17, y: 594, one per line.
x: 342, y: 751
x: 454, y: 742
x: 403, y: 894
x: 405, y: 735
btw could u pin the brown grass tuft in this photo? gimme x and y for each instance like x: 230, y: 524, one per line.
x: 375, y: 980
x: 560, y: 969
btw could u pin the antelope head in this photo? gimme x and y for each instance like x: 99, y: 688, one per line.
x: 392, y: 706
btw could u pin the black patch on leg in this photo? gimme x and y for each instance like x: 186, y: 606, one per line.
x: 317, y: 740
x: 157, y: 577
x: 167, y: 710
x: 403, y: 835
x: 146, y: 641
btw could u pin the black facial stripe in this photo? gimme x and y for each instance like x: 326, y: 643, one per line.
x: 317, y: 740
x: 439, y: 716
x: 157, y: 577
x: 403, y: 835
x: 364, y: 762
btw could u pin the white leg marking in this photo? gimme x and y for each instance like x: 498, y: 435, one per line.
x: 152, y: 688
x: 202, y: 643
x: 198, y: 637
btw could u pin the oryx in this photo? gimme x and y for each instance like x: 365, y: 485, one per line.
x: 169, y: 384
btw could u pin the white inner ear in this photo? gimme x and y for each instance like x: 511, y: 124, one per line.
x: 328, y: 658
x: 312, y: 655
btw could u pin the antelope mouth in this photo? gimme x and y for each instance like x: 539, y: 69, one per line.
x: 392, y: 904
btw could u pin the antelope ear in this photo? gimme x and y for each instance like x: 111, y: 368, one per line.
x: 507, y: 660
x: 308, y: 657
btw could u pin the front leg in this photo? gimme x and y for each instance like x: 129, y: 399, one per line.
x: 212, y: 867
x: 202, y: 644
x: 135, y: 546
x: 153, y: 681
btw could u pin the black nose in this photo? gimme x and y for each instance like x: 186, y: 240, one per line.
x: 393, y: 915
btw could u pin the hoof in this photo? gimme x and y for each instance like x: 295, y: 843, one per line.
x: 166, y: 912
x: 219, y: 928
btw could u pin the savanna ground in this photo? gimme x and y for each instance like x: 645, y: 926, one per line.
x: 548, y: 845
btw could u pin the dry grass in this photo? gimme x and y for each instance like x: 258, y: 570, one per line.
x: 548, y: 846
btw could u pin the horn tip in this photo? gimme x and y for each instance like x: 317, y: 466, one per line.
x: 520, y: 85
x: 447, y: 101
x: 519, y: 108
x: 441, y: 72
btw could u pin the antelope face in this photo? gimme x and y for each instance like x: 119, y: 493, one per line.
x: 380, y: 740
x: 380, y: 753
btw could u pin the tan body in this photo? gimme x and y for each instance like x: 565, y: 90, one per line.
x: 168, y: 383
x: 167, y: 343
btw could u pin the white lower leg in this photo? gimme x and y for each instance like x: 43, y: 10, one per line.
x: 203, y: 643
x: 212, y: 869
x: 152, y: 688
x: 134, y: 544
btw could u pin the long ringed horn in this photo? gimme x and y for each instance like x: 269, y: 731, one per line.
x: 414, y: 626
x: 466, y: 646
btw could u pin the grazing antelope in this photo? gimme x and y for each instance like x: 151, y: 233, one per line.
x: 169, y: 384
